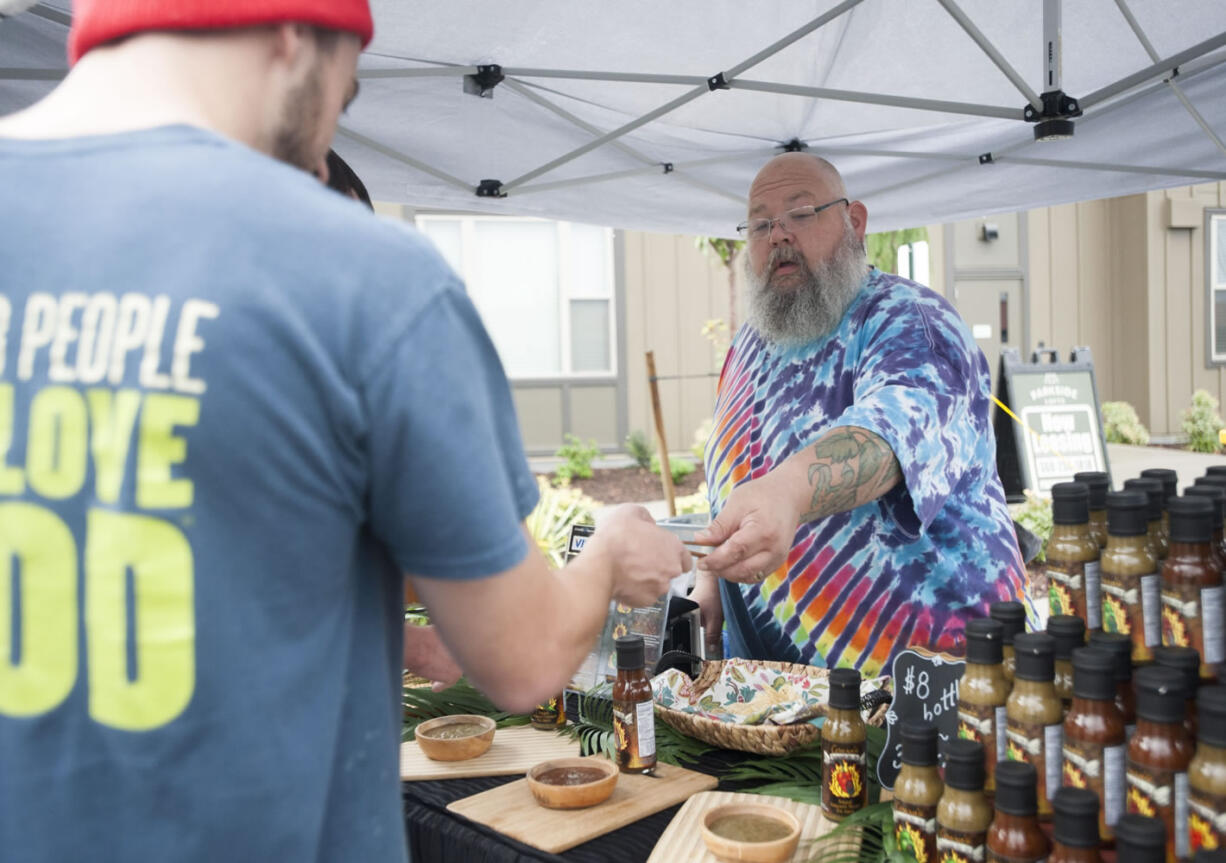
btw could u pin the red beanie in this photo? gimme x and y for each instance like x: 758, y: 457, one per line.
x: 97, y: 21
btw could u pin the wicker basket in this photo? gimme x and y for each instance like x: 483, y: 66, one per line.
x: 766, y: 739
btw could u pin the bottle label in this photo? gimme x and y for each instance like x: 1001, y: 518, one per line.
x: 1159, y: 793
x: 1099, y: 768
x: 1151, y: 609
x: 915, y: 829
x: 844, y: 790
x: 961, y: 846
x: 549, y: 715
x: 984, y: 723
x: 1042, y: 746
x: 1094, y: 604
x: 634, y: 730
x: 1211, y: 603
x: 1066, y: 593
x: 1206, y: 820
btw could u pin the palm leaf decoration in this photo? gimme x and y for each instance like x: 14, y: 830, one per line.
x: 866, y: 836
x: 422, y: 703
x: 594, y: 731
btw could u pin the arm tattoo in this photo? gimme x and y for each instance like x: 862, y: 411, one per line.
x: 851, y: 467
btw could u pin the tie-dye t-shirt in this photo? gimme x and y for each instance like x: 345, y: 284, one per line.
x: 912, y: 566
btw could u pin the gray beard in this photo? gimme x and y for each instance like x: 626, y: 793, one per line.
x: 814, y: 308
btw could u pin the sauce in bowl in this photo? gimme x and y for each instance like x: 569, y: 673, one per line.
x: 571, y: 775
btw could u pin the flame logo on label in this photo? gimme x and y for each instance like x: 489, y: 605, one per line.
x: 1013, y: 752
x: 966, y: 732
x: 1060, y: 600
x: 911, y: 839
x: 845, y: 780
x: 1201, y: 833
x: 1115, y: 616
x: 953, y: 857
x: 1140, y: 803
x: 1073, y: 776
x: 619, y: 730
x: 1174, y: 631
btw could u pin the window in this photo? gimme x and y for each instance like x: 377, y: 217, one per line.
x: 913, y: 261
x: 1215, y: 283
x: 544, y: 290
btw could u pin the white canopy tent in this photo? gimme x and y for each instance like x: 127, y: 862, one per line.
x: 655, y: 116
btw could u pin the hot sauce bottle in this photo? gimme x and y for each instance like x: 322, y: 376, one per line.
x: 844, y: 786
x: 1140, y: 839
x: 1217, y: 481
x: 1216, y: 495
x: 1120, y: 647
x: 1158, y: 757
x: 1192, y: 593
x: 1077, y: 813
x: 963, y: 815
x: 1207, y: 774
x: 1170, y: 488
x: 1015, y: 835
x: 1132, y: 586
x: 917, y: 791
x: 634, y: 719
x: 1185, y: 662
x: 1094, y: 743
x: 1072, y: 554
x: 983, y: 692
x: 1099, y: 483
x: 1012, y: 616
x: 1153, y: 491
x: 1068, y: 633
x: 1034, y: 719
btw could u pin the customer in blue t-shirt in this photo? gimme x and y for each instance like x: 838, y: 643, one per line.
x: 235, y: 413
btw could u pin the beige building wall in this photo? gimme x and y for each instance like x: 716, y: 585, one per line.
x: 671, y: 288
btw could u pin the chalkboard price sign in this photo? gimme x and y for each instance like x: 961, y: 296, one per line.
x: 925, y: 688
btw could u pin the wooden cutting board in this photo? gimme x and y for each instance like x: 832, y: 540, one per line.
x: 682, y: 839
x: 512, y: 810
x: 513, y: 751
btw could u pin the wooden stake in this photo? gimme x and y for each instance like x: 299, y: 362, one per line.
x: 666, y: 473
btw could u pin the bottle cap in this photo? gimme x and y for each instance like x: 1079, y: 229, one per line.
x: 1216, y: 495
x: 1035, y: 654
x: 964, y: 765
x: 1216, y: 470
x: 1098, y: 482
x: 1011, y: 615
x: 1068, y: 632
x: 1076, y: 816
x: 1191, y: 519
x: 1185, y: 661
x: 1211, y: 715
x: 1140, y: 839
x: 984, y: 641
x: 1016, y: 788
x: 1070, y: 503
x: 919, y: 743
x: 1159, y: 694
x: 1166, y: 476
x: 1213, y: 480
x: 1204, y: 855
x: 1152, y: 489
x: 629, y: 652
x: 845, y: 689
x: 1093, y: 674
x: 1119, y: 646
x: 1128, y: 513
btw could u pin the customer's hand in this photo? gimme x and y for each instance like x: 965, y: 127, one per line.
x: 426, y: 656
x: 643, y: 557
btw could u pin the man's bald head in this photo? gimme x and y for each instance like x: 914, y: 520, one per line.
x: 792, y: 167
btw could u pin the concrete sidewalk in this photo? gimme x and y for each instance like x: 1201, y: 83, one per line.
x: 1127, y: 462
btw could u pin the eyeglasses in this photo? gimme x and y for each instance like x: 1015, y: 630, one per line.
x: 791, y: 221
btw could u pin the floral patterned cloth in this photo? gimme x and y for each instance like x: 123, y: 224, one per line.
x: 750, y: 693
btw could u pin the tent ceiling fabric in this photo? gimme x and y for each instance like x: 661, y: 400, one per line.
x: 577, y: 71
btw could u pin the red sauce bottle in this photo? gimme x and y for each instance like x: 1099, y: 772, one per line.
x: 1015, y: 835
x: 1158, y: 757
x: 1075, y: 829
x: 1094, y: 743
x: 1140, y: 839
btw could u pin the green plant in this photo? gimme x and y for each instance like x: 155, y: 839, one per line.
x: 422, y: 703
x: 1035, y: 516
x: 1122, y: 425
x: 882, y: 248
x: 696, y: 502
x: 1202, y: 424
x: 576, y: 459
x: 639, y: 448
x: 680, y: 468
x: 550, y: 522
x: 701, y: 435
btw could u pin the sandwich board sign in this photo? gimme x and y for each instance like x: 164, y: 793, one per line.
x: 1051, y: 429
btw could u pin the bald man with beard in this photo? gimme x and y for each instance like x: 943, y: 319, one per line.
x: 851, y: 469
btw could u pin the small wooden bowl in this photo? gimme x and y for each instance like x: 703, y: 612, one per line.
x: 579, y: 796
x: 771, y: 851
x: 455, y: 748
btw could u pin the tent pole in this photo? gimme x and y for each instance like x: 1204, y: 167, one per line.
x: 424, y: 72
x: 995, y: 56
x: 879, y: 99
x: 1162, y: 67
x: 401, y: 157
x: 1178, y: 91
